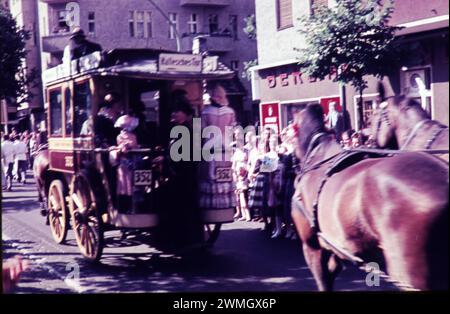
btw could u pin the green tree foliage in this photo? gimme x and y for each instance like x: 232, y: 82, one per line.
x: 352, y: 38
x: 13, y: 80
x: 250, y: 30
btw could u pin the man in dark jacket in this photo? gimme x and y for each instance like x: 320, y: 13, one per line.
x: 79, y: 46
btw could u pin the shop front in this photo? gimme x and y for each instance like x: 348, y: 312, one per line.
x: 284, y: 90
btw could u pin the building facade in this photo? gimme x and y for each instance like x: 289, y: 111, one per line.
x: 279, y: 85
x: 21, y: 112
x: 145, y: 24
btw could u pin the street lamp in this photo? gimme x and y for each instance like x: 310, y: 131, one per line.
x: 171, y: 23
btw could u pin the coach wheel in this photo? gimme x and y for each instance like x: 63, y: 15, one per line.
x: 57, y: 211
x: 86, y: 220
x: 211, y: 233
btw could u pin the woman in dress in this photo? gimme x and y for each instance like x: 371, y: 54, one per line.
x: 217, y: 191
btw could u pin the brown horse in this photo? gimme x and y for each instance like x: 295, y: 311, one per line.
x: 390, y: 210
x: 402, y: 123
x: 40, y: 169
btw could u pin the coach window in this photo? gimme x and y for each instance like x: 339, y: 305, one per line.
x: 55, y: 98
x: 68, y: 112
x: 83, y: 122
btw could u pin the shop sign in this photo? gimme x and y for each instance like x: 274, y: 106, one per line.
x: 292, y: 78
x: 270, y: 116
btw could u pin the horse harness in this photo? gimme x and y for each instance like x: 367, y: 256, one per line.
x: 339, y: 162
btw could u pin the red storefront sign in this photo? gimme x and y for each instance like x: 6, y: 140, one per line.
x: 270, y: 116
x: 324, y: 102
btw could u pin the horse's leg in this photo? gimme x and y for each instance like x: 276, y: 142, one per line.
x: 317, y: 258
x: 318, y: 261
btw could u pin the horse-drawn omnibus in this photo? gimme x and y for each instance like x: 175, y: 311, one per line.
x: 75, y: 183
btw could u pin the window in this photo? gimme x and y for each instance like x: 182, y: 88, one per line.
x: 234, y: 26
x: 131, y: 23
x: 235, y: 65
x: 148, y: 20
x: 317, y: 4
x: 62, y: 24
x: 91, y: 23
x: 68, y: 108
x: 368, y: 109
x: 55, y: 112
x: 140, y: 29
x: 284, y: 14
x: 83, y: 110
x: 213, y: 23
x: 173, y: 25
x: 140, y: 24
x: 193, y: 24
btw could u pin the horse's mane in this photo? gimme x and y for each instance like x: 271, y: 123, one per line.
x: 311, y: 124
x: 410, y: 106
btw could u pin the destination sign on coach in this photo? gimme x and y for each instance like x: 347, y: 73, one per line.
x: 172, y: 62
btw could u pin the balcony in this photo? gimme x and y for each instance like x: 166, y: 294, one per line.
x: 212, y: 3
x: 55, y: 43
x: 214, y: 43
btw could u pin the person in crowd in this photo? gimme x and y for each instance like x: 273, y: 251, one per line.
x: 142, y: 132
x: 126, y: 140
x: 79, y: 46
x: 182, y: 218
x: 20, y: 158
x: 274, y: 204
x: 32, y: 147
x: 258, y: 198
x: 105, y: 131
x: 216, y: 190
x: 346, y: 141
x: 356, y: 140
x: 240, y: 177
x: 334, y: 120
x: 252, y: 152
x: 8, y: 160
x: 290, y: 168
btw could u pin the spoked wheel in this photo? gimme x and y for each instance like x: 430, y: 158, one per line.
x: 86, y: 219
x: 57, y: 211
x: 211, y: 233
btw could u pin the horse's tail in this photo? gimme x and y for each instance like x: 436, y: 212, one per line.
x: 438, y: 251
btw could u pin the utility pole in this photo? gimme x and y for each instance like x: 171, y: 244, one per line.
x: 171, y: 23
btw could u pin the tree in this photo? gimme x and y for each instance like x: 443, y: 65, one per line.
x: 13, y: 78
x: 352, y: 39
x: 250, y: 30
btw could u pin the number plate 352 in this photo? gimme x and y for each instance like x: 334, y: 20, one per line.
x: 143, y: 177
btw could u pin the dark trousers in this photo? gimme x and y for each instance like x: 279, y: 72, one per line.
x: 21, y: 169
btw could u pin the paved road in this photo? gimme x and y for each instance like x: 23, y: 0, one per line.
x: 243, y: 259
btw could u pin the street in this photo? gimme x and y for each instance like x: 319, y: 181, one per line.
x: 243, y: 259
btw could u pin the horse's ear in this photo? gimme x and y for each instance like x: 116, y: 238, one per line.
x: 381, y: 91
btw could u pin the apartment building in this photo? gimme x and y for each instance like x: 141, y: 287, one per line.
x: 145, y: 24
x: 281, y: 88
x: 25, y: 14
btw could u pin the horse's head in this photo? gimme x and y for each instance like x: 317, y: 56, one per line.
x: 383, y: 125
x: 309, y: 122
